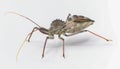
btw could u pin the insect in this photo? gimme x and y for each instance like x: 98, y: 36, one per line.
x: 73, y: 25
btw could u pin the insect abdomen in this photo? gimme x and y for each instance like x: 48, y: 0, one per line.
x: 77, y: 27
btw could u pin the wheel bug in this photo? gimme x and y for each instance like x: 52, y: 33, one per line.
x: 73, y: 25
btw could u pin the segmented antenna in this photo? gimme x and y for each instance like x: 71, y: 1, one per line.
x: 25, y: 17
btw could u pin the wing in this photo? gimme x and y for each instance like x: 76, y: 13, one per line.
x: 77, y: 23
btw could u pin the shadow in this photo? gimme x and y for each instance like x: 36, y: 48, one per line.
x: 68, y: 42
x: 77, y: 41
x: 81, y: 41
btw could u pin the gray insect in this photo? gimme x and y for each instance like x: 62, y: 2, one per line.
x: 73, y: 25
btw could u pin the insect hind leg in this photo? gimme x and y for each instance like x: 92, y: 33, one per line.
x: 89, y: 32
x: 97, y: 35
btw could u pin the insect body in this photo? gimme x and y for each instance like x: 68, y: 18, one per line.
x: 73, y: 25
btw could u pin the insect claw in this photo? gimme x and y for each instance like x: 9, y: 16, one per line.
x: 63, y: 56
x: 109, y: 40
x: 28, y: 40
x: 42, y: 56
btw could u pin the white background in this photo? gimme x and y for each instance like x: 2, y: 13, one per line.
x: 83, y: 51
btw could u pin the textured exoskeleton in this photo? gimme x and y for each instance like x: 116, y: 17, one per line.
x: 73, y: 25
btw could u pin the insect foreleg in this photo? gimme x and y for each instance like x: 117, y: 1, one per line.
x: 35, y: 28
x: 22, y: 45
x: 42, y: 30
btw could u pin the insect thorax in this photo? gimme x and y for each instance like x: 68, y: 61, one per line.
x: 56, y: 26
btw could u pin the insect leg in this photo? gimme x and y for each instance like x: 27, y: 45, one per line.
x: 63, y: 46
x: 97, y: 35
x: 42, y: 30
x: 89, y: 32
x: 35, y: 28
x: 44, y: 46
x: 48, y: 37
x: 22, y: 45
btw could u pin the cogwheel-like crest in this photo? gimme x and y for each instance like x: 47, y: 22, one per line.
x: 57, y: 22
